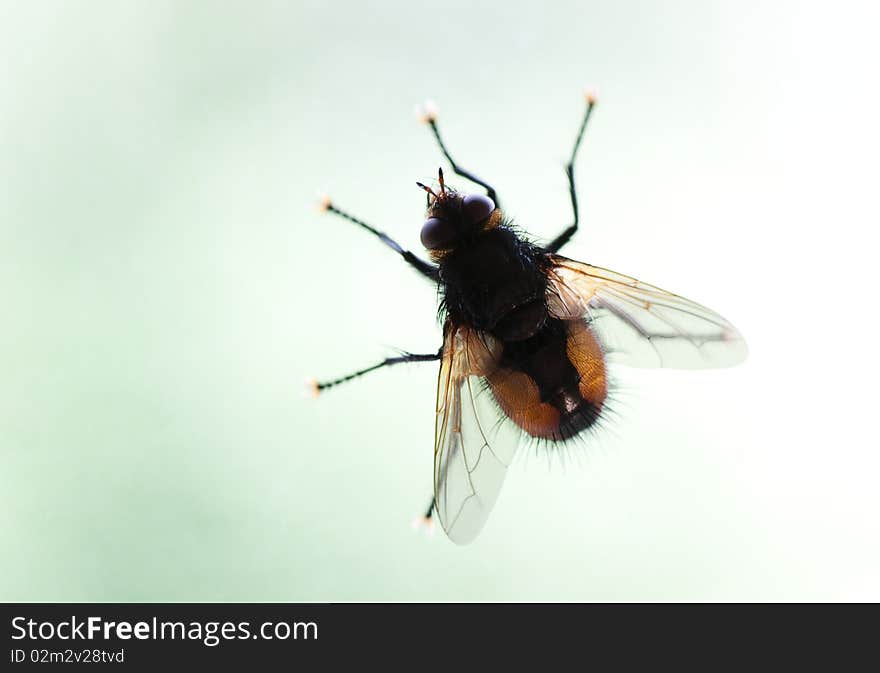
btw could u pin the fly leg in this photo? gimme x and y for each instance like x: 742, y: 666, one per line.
x: 429, y: 115
x: 425, y: 268
x: 426, y: 521
x: 314, y: 388
x: 566, y: 235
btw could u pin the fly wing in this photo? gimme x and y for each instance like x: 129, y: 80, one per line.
x: 472, y: 444
x: 641, y: 325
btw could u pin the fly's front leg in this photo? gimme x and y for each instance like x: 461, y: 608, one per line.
x: 428, y: 114
x: 425, y: 268
x: 566, y: 235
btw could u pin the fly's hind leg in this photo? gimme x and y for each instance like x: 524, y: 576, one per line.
x: 314, y: 388
x: 426, y: 520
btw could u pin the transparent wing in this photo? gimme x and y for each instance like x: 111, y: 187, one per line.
x: 641, y: 325
x: 473, y: 446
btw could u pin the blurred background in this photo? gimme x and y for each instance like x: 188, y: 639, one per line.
x: 166, y: 285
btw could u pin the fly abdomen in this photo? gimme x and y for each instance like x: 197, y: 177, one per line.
x: 553, y: 385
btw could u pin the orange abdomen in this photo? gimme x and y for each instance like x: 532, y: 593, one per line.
x: 554, y: 384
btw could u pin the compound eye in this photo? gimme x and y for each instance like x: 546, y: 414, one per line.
x: 437, y: 234
x: 477, y: 207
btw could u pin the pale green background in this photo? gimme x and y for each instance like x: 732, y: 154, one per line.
x: 166, y: 285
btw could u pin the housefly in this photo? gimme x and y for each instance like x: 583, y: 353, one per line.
x: 527, y: 336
